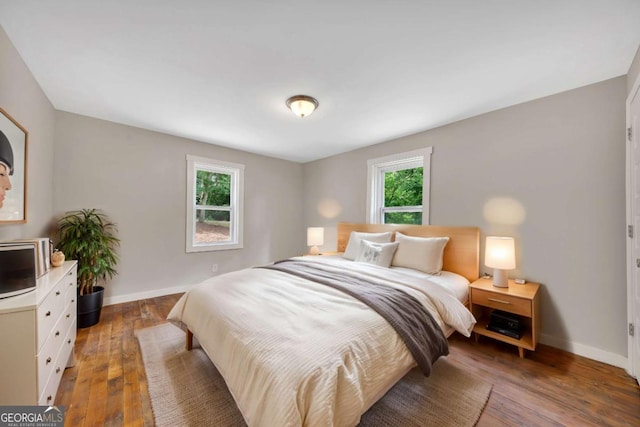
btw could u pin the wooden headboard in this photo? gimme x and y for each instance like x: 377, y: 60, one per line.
x: 461, y: 255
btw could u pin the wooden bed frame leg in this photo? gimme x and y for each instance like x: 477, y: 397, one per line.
x: 189, y: 341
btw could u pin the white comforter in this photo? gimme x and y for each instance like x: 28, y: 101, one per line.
x: 294, y: 352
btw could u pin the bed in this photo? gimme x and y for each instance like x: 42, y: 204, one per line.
x: 297, y: 349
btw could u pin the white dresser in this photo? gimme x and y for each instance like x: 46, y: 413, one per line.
x: 37, y: 335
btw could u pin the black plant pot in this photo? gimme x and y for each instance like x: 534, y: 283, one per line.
x: 89, y: 307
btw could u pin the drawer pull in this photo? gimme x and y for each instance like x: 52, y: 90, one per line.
x: 498, y: 300
x: 58, y: 370
x: 48, y: 360
x: 70, y: 273
x: 57, y: 333
x: 48, y: 313
x: 68, y: 315
x: 57, y: 293
x: 49, y: 398
x: 69, y: 341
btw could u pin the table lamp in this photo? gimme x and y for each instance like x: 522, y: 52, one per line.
x: 315, y: 238
x: 500, y: 254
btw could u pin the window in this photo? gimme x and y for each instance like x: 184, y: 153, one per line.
x: 214, y: 204
x: 399, y: 188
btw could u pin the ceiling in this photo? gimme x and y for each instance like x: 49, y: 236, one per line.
x: 221, y: 71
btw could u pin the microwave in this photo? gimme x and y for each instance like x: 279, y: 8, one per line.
x: 18, y: 269
x: 43, y: 247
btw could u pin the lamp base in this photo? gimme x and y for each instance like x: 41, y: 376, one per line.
x: 314, y: 250
x: 500, y: 279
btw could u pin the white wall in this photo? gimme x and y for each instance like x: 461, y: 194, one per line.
x: 138, y: 178
x: 562, y: 159
x: 22, y: 98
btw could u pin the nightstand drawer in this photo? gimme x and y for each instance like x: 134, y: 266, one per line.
x: 504, y: 302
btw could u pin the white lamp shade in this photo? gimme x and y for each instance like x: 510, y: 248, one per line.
x: 315, y: 236
x: 499, y: 252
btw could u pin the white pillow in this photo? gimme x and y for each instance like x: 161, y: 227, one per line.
x: 353, y: 246
x: 376, y: 253
x: 420, y: 253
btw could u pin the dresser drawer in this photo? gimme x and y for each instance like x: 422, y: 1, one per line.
x: 50, y: 387
x: 49, y: 352
x: 70, y: 298
x: 56, y: 340
x: 499, y: 301
x: 71, y: 287
x: 50, y: 311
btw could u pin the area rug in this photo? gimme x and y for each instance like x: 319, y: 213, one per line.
x: 187, y: 390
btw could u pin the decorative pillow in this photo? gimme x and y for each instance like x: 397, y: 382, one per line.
x: 420, y: 253
x: 376, y: 253
x: 353, y: 246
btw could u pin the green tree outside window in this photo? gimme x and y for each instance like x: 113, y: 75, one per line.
x: 403, y: 188
x: 213, y: 189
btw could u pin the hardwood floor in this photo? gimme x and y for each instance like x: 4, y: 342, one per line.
x: 107, y: 386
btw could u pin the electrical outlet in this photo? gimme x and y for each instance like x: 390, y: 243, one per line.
x: 214, y: 268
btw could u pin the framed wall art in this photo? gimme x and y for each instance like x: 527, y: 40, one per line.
x: 13, y: 170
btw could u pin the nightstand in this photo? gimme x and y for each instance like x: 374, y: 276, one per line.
x: 521, y: 300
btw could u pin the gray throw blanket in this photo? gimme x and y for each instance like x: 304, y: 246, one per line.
x: 411, y: 320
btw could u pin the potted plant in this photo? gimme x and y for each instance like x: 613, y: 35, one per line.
x: 88, y: 236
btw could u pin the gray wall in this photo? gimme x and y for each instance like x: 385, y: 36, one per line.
x: 138, y: 178
x: 634, y: 71
x: 22, y: 98
x: 562, y: 159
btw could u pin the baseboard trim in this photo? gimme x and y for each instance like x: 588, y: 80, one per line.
x: 586, y: 351
x: 144, y: 295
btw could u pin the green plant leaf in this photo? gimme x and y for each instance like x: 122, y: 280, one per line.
x: 89, y: 237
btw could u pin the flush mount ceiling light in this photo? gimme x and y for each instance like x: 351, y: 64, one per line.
x: 302, y: 105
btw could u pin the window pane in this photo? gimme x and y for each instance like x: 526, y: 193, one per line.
x: 212, y: 226
x: 213, y: 188
x: 215, y: 191
x: 403, y: 218
x: 403, y: 188
x: 395, y: 184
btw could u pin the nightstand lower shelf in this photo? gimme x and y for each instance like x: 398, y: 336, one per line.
x: 524, y: 343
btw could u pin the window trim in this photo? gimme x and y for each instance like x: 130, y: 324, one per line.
x: 236, y: 171
x: 375, y: 182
